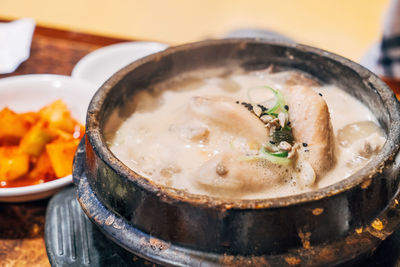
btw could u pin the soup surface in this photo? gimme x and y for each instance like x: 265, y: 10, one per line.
x: 246, y: 135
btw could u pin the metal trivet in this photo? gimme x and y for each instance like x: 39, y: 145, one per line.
x: 73, y: 240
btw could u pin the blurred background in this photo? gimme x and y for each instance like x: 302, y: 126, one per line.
x: 341, y: 26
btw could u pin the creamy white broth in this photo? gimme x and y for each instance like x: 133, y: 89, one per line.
x: 162, y: 141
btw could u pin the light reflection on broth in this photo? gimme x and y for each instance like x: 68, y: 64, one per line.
x: 230, y: 135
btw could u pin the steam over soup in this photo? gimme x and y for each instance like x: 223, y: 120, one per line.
x: 246, y: 134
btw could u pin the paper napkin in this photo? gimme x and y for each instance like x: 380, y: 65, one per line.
x: 15, y: 43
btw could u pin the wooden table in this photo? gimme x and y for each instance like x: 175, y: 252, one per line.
x: 22, y: 224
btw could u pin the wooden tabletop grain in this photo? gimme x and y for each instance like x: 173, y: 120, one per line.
x: 22, y: 224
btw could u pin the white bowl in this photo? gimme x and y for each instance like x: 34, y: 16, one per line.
x: 30, y: 93
x: 99, y: 65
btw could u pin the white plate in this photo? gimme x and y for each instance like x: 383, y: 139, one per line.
x: 30, y: 93
x: 101, y: 64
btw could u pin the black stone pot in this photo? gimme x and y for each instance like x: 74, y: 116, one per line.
x: 333, y: 225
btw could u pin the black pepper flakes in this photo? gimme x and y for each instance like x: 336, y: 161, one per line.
x: 247, y: 105
x: 305, y: 144
x: 272, y: 142
x: 320, y: 94
x: 237, y: 102
x: 306, y: 150
x: 263, y: 109
x: 286, y: 107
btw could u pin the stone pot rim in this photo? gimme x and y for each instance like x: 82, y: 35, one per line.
x: 360, y: 178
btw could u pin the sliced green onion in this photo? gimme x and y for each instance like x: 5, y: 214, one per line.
x: 276, y: 157
x: 282, y: 154
x: 272, y: 113
x: 279, y: 101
